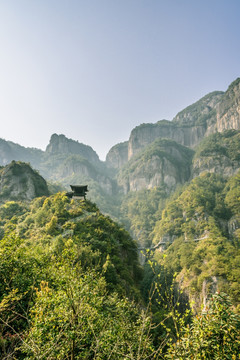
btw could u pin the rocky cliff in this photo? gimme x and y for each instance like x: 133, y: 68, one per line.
x: 145, y: 134
x: 201, y: 111
x: 74, y: 169
x: 227, y: 110
x: 60, y: 144
x: 163, y: 163
x: 18, y: 181
x: 218, y: 153
x: 215, y: 112
x: 117, y: 155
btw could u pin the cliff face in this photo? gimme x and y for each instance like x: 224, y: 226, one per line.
x: 163, y: 163
x: 187, y: 128
x: 59, y: 144
x: 219, y: 165
x: 219, y: 153
x: 145, y: 134
x: 117, y: 155
x: 228, y: 110
x: 215, y: 112
x: 18, y: 181
x: 201, y: 111
x: 75, y: 169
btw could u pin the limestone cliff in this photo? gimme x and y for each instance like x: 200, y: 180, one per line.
x: 18, y: 181
x: 218, y: 153
x: 215, y: 112
x: 60, y: 144
x: 163, y: 163
x: 201, y: 111
x: 77, y: 170
x: 145, y: 134
x: 227, y: 110
x: 117, y: 155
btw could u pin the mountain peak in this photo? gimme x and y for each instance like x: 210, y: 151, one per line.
x: 60, y: 144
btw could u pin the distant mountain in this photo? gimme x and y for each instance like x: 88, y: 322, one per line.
x: 60, y: 144
x: 10, y: 151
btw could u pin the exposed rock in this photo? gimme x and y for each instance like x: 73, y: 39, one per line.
x: 201, y: 111
x: 145, y: 134
x: 163, y: 163
x: 228, y: 110
x: 233, y: 225
x: 218, y: 153
x: 117, y: 155
x: 18, y: 181
x: 218, y: 164
x: 76, y: 169
x: 60, y: 144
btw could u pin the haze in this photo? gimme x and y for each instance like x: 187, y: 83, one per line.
x: 93, y: 70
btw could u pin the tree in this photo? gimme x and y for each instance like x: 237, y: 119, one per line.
x: 77, y: 318
x: 215, y: 334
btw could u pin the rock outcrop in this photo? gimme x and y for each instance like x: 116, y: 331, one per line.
x: 218, y: 153
x: 18, y: 181
x: 117, y: 155
x: 201, y: 111
x: 145, y: 134
x: 163, y: 163
x: 215, y: 112
x: 60, y: 144
x: 227, y: 110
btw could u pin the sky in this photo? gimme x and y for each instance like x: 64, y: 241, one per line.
x: 95, y: 69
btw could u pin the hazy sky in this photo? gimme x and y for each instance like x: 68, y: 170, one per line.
x: 95, y: 69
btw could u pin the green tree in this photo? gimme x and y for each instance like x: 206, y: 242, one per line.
x: 77, y: 318
x: 213, y: 335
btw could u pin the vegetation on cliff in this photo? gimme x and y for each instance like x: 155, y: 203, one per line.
x: 202, y: 247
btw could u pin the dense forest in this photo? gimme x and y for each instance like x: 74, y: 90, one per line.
x: 147, y: 267
x: 72, y: 288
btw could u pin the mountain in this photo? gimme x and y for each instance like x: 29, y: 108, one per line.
x: 18, y: 181
x: 165, y: 154
x: 199, y: 230
x: 10, y: 151
x: 215, y: 112
x: 163, y: 162
x: 117, y: 155
x: 218, y: 153
x: 59, y: 145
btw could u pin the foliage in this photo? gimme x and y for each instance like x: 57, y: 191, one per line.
x: 63, y: 285
x: 162, y: 148
x: 226, y: 144
x: 214, y: 334
x: 78, y: 319
x: 200, y: 249
x: 140, y: 211
x: 200, y: 112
